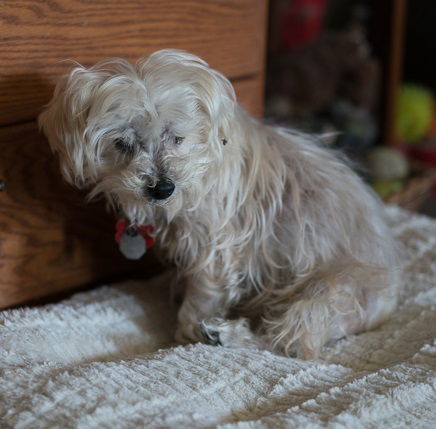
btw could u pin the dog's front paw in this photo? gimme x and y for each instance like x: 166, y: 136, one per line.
x: 210, y: 335
x: 229, y: 333
x: 189, y: 333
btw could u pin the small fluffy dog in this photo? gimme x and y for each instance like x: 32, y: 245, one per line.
x: 261, y: 222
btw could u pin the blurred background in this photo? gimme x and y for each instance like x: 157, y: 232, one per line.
x: 362, y: 73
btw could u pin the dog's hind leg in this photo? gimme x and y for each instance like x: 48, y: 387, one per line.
x: 320, y: 312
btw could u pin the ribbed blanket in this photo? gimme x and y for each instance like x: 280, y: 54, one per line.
x: 105, y: 359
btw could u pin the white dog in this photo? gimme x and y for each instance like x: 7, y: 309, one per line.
x: 260, y: 221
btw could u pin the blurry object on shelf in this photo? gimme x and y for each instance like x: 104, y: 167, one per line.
x: 388, y: 169
x: 278, y: 106
x: 387, y: 163
x: 417, y: 189
x: 356, y: 125
x: 333, y: 65
x: 329, y: 84
x: 415, y: 113
x: 432, y: 130
x: 387, y: 188
x: 296, y: 23
x: 424, y: 152
x: 416, y: 134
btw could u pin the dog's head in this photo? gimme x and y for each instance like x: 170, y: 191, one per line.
x: 146, y: 135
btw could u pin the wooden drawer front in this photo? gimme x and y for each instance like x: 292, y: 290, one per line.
x: 50, y: 239
x: 36, y: 36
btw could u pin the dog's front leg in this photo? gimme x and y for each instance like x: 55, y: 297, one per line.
x: 202, y: 317
x: 203, y: 300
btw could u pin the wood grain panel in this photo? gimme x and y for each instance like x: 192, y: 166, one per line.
x: 37, y: 36
x: 50, y: 239
x: 250, y: 94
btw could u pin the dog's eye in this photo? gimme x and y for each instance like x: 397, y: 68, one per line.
x: 124, y: 147
x: 178, y: 139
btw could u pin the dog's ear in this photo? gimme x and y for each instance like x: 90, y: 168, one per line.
x: 64, y: 122
x: 216, y: 98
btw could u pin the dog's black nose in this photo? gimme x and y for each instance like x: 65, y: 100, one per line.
x: 163, y: 189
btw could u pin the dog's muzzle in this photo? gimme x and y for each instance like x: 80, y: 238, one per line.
x: 162, y: 190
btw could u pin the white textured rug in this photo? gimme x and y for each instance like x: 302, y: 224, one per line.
x: 103, y: 359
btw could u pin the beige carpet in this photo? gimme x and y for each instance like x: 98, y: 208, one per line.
x: 103, y: 359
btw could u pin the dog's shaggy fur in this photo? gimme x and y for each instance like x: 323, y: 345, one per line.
x: 262, y: 221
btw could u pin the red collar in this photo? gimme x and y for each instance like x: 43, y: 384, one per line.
x: 145, y: 230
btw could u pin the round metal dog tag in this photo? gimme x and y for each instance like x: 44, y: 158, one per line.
x: 132, y: 244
